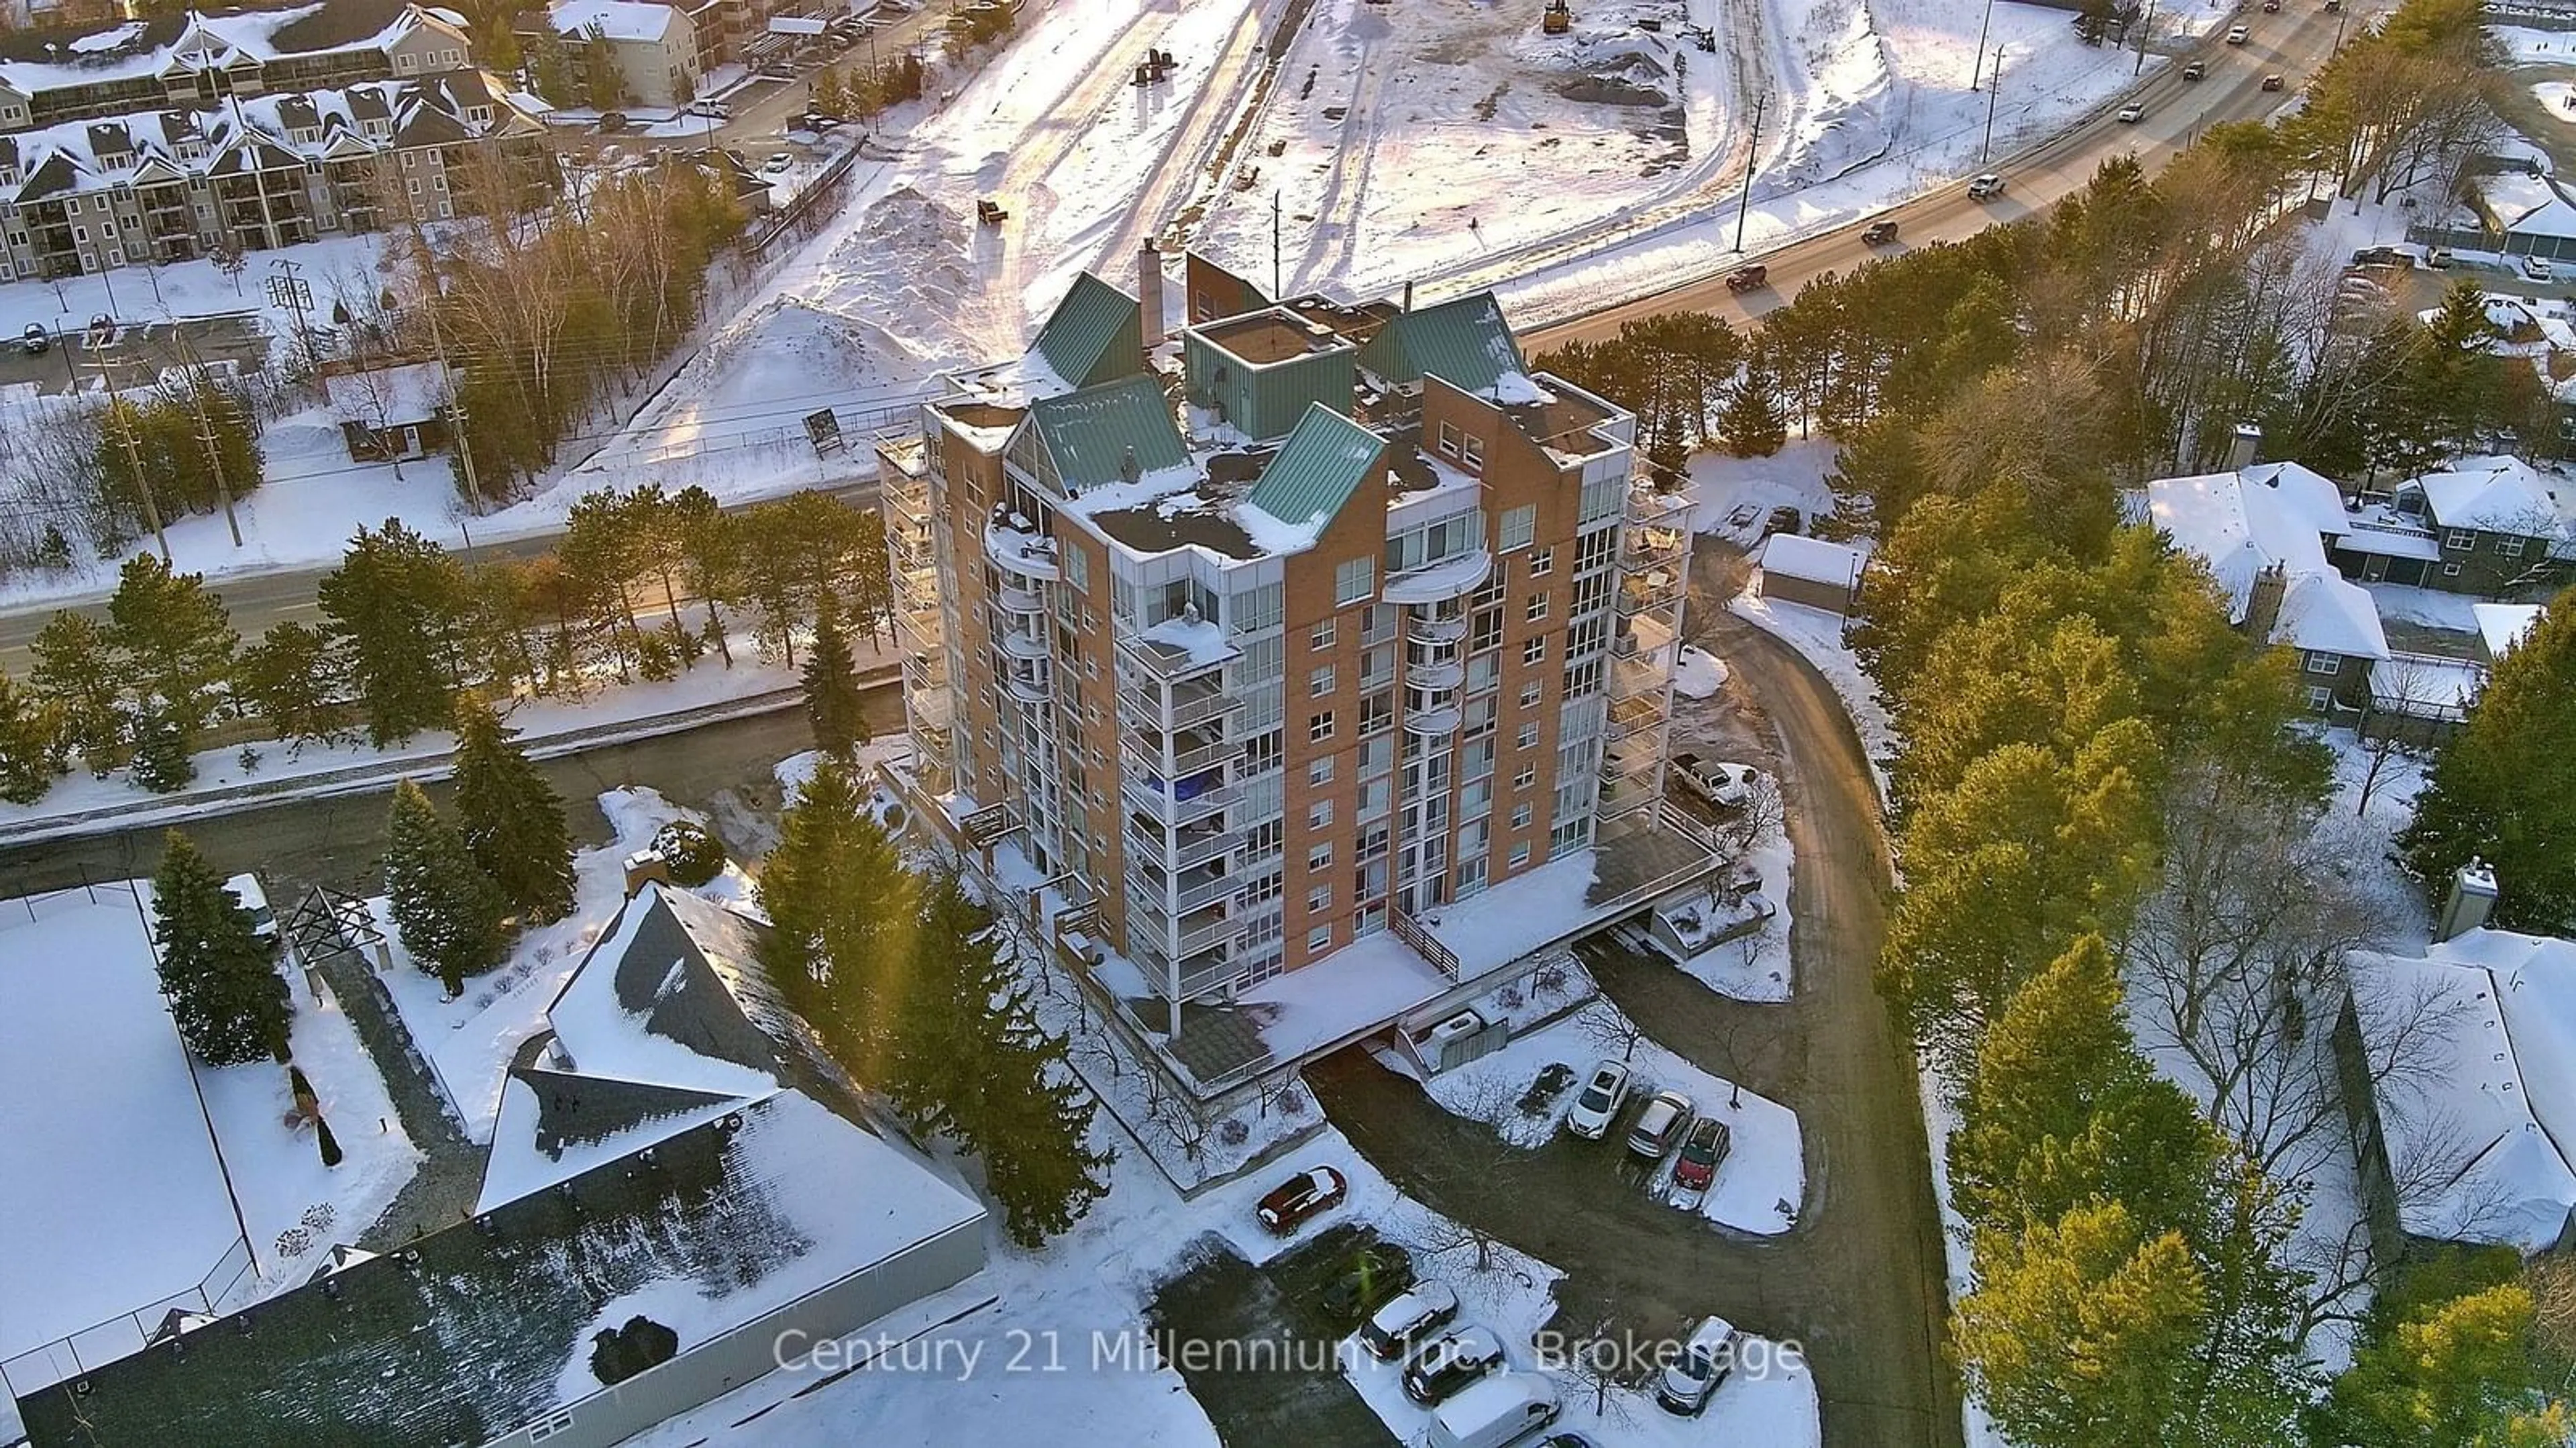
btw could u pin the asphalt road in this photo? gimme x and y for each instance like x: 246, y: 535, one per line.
x: 2291, y: 43
x: 256, y: 601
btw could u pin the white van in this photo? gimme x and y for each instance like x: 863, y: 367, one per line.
x: 1502, y: 1409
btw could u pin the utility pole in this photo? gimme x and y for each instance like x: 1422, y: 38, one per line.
x: 296, y: 295
x: 1994, y: 87
x: 206, y: 434
x: 1752, y: 154
x: 123, y: 422
x: 2144, y: 25
x: 1275, y: 290
x: 1974, y: 60
x: 455, y: 400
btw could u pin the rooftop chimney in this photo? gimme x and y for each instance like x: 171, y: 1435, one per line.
x: 2473, y: 897
x: 1128, y: 467
x: 2263, y: 602
x: 2243, y: 446
x: 646, y: 867
x: 1408, y: 294
x: 1149, y: 292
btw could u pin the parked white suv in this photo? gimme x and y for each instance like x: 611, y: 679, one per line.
x: 1604, y: 1092
x: 2538, y: 269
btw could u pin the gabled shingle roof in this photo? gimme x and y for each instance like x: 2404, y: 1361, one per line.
x: 1093, y: 434
x: 1080, y: 338
x: 1325, y: 459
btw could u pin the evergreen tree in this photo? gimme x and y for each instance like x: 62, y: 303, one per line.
x: 1668, y: 457
x: 1753, y: 422
x: 231, y: 1004
x: 2460, y: 1371
x: 842, y: 908
x: 331, y: 1153
x: 829, y: 97
x: 174, y: 640
x: 396, y: 607
x: 76, y: 672
x: 511, y: 819
x: 710, y: 559
x: 31, y: 743
x: 2504, y: 787
x: 291, y: 677
x: 970, y: 1061
x: 831, y: 680
x: 447, y: 911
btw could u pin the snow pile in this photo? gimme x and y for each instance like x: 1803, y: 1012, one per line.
x: 1699, y: 674
x: 1836, y: 112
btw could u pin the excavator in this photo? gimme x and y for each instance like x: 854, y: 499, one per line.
x: 1558, y: 19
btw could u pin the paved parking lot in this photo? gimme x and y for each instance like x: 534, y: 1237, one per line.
x: 1227, y: 1299
x: 137, y: 354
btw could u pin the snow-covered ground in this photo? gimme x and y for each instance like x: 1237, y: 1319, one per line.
x: 1736, y: 495
x: 468, y: 1041
x: 706, y: 684
x: 1756, y: 967
x: 1819, y: 636
x: 1698, y: 674
x: 334, y: 269
x: 1760, y: 1183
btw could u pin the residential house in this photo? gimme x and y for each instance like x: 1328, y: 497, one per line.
x: 2492, y: 526
x: 669, y: 1149
x: 2263, y: 529
x: 654, y: 47
x: 1352, y: 626
x: 389, y: 412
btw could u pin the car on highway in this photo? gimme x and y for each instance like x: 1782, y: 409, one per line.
x: 35, y: 340
x: 1604, y: 1092
x: 2274, y: 82
x: 1880, y: 233
x: 612, y: 122
x: 1693, y: 1376
x: 2132, y: 114
x: 1988, y: 185
x: 2271, y: 7
x: 1746, y: 278
x: 1300, y: 1197
x: 778, y: 162
x: 1410, y: 1318
x: 1701, y: 1153
x: 2194, y: 71
x: 2238, y: 35
x: 1661, y: 1124
x: 2537, y: 268
x: 1450, y: 1362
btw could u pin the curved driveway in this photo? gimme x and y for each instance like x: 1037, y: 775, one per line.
x: 2291, y: 43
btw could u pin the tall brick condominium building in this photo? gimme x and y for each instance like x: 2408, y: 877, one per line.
x: 1350, y: 619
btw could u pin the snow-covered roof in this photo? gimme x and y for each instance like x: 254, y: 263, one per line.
x: 2326, y: 613
x: 2526, y: 204
x: 636, y: 20
x: 492, y: 1323
x: 110, y: 1189
x: 1794, y: 555
x: 2488, y: 1118
x: 655, y: 1001
x: 388, y: 396
x: 2303, y: 493
x: 2502, y: 625
x: 2499, y: 495
x: 2422, y: 686
x: 36, y: 62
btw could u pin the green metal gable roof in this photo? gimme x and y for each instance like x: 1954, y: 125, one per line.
x: 1081, y: 338
x: 1463, y: 342
x: 1321, y: 464
x: 1090, y: 433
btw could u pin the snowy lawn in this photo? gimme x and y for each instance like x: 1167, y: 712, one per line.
x: 296, y: 1208
x: 1818, y: 635
x: 1756, y: 967
x: 1764, y: 1170
x: 469, y: 1040
x: 1736, y: 495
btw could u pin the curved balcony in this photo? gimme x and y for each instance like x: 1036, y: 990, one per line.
x: 1021, y: 643
x: 1025, y: 601
x: 1432, y: 723
x: 1027, y: 685
x: 1446, y: 674
x: 1028, y: 555
x: 1456, y: 576
x: 1433, y: 630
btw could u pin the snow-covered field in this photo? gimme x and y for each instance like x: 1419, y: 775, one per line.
x: 468, y: 1041
x: 1760, y: 1183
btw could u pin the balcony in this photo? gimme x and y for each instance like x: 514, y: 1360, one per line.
x: 1189, y: 754
x: 1177, y: 650
x: 1020, y: 643
x: 1668, y: 510
x: 1432, y: 629
x: 1205, y: 887
x: 907, y: 501
x: 1026, y: 554
x: 1643, y: 548
x: 1024, y: 602
x: 1623, y: 797
x: 1207, y: 841
x: 1027, y: 686
x: 935, y: 707
x: 1180, y: 706
x: 1638, y: 714
x: 1206, y: 971
x: 1431, y: 723
x: 1192, y: 799
x: 1651, y: 591
x: 1455, y: 576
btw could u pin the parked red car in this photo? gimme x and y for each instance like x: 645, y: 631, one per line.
x: 1291, y: 1202
x: 1702, y: 1150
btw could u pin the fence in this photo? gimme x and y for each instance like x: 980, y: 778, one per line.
x: 71, y: 1356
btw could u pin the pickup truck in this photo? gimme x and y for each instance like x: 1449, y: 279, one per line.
x: 1721, y: 784
x: 1745, y: 279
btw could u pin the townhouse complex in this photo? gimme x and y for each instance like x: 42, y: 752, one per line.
x: 175, y: 138
x: 1345, y: 618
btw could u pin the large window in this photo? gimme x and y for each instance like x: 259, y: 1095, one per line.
x: 1353, y: 580
x: 1520, y: 525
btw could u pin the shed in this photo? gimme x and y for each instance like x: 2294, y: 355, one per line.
x: 1788, y: 568
x: 389, y: 413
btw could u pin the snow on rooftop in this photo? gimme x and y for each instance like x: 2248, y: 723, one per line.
x: 1361, y: 986
x: 1200, y: 641
x: 637, y: 20
x: 2273, y: 516
x: 1794, y: 555
x: 2468, y: 1123
x: 2500, y: 494
x: 2327, y: 613
x: 116, y: 1201
x: 518, y: 1166
x: 605, y: 1031
x: 2502, y: 625
x: 1277, y: 535
x: 386, y: 396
